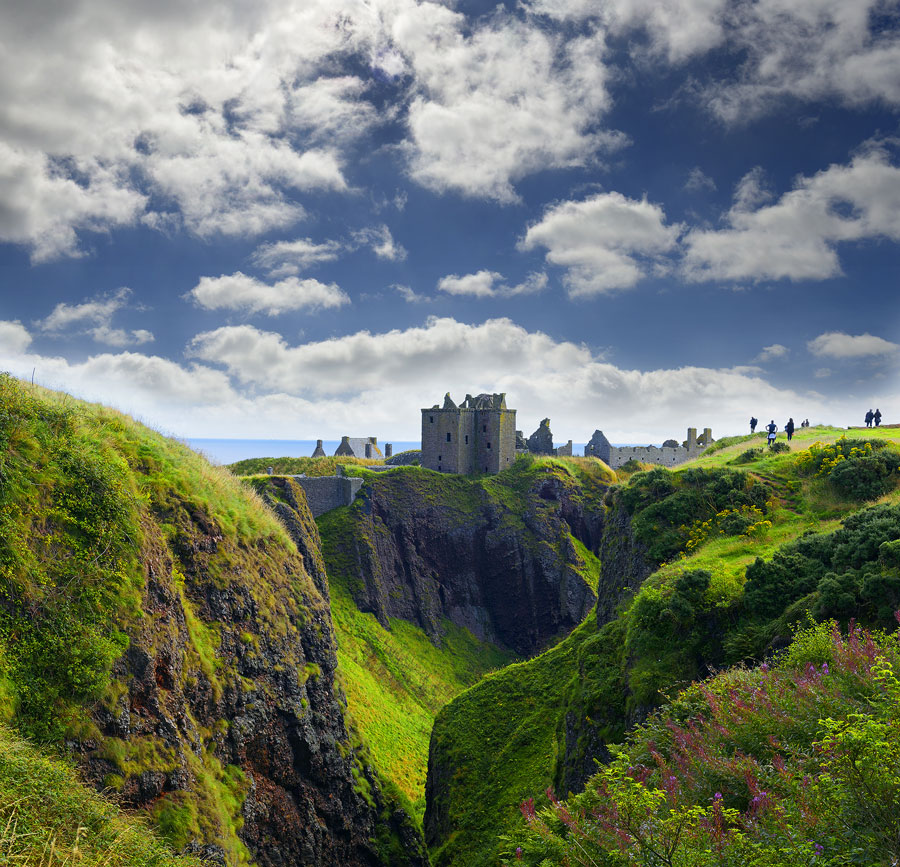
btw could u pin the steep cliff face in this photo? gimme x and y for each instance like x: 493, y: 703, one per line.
x: 505, y: 557
x: 165, y: 625
x: 537, y: 724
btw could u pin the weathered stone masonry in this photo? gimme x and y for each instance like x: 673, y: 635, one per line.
x: 478, y: 436
x: 324, y: 493
x: 667, y: 456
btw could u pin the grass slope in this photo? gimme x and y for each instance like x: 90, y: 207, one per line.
x: 49, y: 818
x: 599, y: 681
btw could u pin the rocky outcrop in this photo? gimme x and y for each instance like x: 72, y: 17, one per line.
x: 625, y: 562
x: 502, y: 563
x: 229, y: 725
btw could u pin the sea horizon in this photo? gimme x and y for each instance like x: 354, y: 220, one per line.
x: 228, y: 450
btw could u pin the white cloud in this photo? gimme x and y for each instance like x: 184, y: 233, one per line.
x: 408, y: 295
x: 837, y: 344
x: 217, y: 118
x: 14, y: 338
x: 806, y: 49
x: 479, y: 284
x: 795, y: 238
x: 251, y: 383
x: 94, y: 317
x: 698, y: 181
x: 382, y: 242
x: 239, y: 291
x: 291, y: 257
x: 605, y: 242
x: 776, y: 350
x: 489, y: 284
x: 822, y: 373
x: 494, y: 103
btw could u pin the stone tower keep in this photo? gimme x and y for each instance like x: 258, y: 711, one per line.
x: 478, y: 436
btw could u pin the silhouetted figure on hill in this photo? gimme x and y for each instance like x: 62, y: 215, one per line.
x: 771, y: 427
x: 753, y: 423
x: 789, y: 429
x: 877, y: 417
x: 869, y: 416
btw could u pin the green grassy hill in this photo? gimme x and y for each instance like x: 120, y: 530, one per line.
x: 160, y: 621
x: 736, y: 567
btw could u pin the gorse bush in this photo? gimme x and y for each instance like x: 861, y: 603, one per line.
x: 853, y: 571
x: 779, y: 448
x: 856, y: 469
x: 665, y: 506
x: 792, y: 763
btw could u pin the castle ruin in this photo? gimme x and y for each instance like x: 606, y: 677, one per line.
x: 478, y: 436
x: 669, y: 455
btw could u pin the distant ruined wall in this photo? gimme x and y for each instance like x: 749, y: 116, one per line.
x: 324, y: 493
x: 665, y: 456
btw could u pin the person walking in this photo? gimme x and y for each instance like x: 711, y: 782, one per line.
x: 789, y: 429
x: 753, y: 423
x: 869, y: 416
x: 771, y: 427
x: 877, y: 417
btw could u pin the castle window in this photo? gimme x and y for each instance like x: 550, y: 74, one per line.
x: 489, y: 445
x: 431, y: 419
x: 448, y: 436
x: 484, y: 428
x: 467, y: 439
x: 440, y: 458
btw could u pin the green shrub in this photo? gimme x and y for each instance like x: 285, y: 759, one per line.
x: 748, y: 456
x: 779, y: 448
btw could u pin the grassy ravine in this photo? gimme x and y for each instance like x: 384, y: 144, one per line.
x: 396, y: 679
x: 504, y: 739
x: 49, y: 818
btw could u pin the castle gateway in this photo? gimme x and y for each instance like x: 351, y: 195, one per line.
x: 478, y: 436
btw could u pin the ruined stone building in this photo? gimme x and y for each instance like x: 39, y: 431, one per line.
x: 478, y: 436
x: 671, y: 454
x: 358, y: 447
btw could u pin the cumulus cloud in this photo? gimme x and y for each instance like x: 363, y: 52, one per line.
x: 776, y: 350
x: 94, y: 317
x: 286, y: 258
x: 245, y: 382
x: 796, y: 237
x: 14, y: 338
x: 490, y: 284
x: 382, y: 242
x: 605, y: 242
x: 805, y: 49
x: 409, y: 295
x: 239, y: 291
x: 698, y: 181
x: 837, y: 344
x: 497, y: 102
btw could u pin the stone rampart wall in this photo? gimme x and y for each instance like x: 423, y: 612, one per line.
x: 665, y: 456
x: 324, y: 493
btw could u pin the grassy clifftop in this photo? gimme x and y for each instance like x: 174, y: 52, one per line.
x: 740, y: 548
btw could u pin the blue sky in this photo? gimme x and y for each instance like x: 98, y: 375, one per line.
x: 299, y: 220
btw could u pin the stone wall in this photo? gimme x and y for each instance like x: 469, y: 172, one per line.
x: 667, y: 457
x: 324, y: 493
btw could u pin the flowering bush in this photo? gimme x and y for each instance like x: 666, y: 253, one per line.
x: 793, y: 763
x: 856, y: 469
